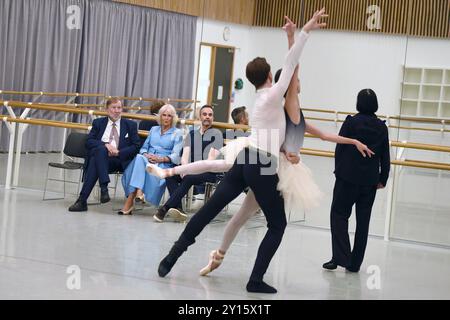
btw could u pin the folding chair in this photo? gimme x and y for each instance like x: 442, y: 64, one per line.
x: 74, y: 148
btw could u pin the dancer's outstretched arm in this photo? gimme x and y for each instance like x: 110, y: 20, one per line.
x: 292, y: 105
x: 326, y: 136
x: 279, y: 89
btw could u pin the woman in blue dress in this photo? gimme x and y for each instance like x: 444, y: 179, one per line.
x: 162, y: 148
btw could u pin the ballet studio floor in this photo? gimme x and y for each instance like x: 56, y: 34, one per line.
x: 47, y: 252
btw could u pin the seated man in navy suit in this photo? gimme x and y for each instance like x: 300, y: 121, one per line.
x: 112, y: 143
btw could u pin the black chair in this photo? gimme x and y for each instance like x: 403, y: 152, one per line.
x: 146, y: 125
x: 75, y: 147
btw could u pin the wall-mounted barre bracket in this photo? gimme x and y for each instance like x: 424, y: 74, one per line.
x: 71, y: 99
x: 35, y: 99
x: 21, y: 130
x: 7, y: 124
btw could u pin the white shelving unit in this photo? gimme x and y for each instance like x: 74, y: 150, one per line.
x: 426, y: 92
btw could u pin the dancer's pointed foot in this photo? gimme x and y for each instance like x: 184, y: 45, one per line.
x: 215, y: 259
x: 260, y: 287
x: 165, y: 266
x: 169, y: 261
x: 154, y: 170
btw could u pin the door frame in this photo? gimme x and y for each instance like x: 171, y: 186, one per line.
x: 212, y: 65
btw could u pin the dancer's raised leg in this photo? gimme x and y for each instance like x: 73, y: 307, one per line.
x: 196, y: 167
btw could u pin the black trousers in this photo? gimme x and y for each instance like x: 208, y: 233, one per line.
x: 178, y: 187
x: 345, y: 195
x: 99, y: 166
x: 264, y: 186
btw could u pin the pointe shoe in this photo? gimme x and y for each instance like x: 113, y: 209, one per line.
x: 215, y: 260
x: 126, y: 213
x: 154, y: 170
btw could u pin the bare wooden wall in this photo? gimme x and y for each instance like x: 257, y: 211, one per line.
x: 235, y: 11
x: 428, y: 18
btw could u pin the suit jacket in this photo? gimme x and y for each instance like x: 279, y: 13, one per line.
x: 350, y: 165
x: 129, y: 141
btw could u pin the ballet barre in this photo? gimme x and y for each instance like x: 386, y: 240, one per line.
x: 442, y: 122
x: 396, y: 117
x: 24, y: 122
x: 220, y: 125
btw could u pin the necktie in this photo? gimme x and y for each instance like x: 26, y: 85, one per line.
x: 114, y: 136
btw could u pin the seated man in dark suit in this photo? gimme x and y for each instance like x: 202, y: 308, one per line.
x: 239, y: 116
x: 357, y: 181
x: 112, y: 143
x: 201, y: 144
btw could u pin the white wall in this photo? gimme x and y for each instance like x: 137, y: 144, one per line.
x: 335, y: 65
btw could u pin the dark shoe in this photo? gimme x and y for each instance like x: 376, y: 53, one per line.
x: 160, y: 214
x: 104, y: 196
x: 260, y: 287
x: 352, y: 269
x: 330, y: 265
x: 165, y: 266
x: 78, y: 206
x: 169, y: 261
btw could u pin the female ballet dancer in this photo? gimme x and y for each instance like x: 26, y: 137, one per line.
x: 296, y: 184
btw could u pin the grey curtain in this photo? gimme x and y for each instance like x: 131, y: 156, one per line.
x: 120, y: 50
x: 37, y: 53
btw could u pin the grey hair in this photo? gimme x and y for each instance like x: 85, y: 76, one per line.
x: 170, y: 108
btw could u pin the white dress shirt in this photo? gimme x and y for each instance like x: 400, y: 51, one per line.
x: 107, y: 133
x: 268, y: 121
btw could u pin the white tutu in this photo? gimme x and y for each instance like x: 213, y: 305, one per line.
x: 232, y: 149
x: 299, y: 190
x: 296, y: 183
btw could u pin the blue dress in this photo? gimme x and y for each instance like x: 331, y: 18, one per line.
x: 169, y: 145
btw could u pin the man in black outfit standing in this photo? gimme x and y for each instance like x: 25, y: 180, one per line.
x: 357, y: 181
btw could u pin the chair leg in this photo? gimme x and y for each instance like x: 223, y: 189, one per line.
x: 79, y: 182
x: 46, y: 182
x: 64, y: 182
x: 188, y: 199
x: 115, y: 185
